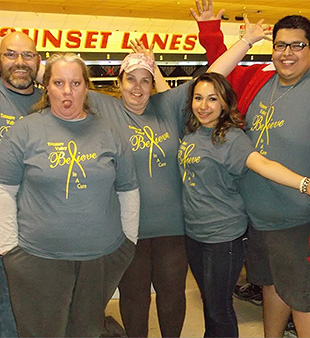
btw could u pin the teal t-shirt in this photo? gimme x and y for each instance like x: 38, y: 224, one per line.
x: 14, y: 106
x: 213, y: 207
x: 281, y: 133
x: 69, y: 173
x: 154, y: 139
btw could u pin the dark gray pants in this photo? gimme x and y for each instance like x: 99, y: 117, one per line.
x: 161, y: 261
x: 58, y: 298
x: 7, y: 321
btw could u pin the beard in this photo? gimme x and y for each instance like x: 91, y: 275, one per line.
x: 18, y: 82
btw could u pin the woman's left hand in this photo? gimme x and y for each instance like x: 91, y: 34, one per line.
x: 138, y: 47
x: 256, y: 32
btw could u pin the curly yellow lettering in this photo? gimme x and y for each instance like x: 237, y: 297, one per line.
x: 3, y: 130
x: 81, y: 158
x: 263, y: 152
x: 265, y: 129
x: 187, y: 152
x: 81, y: 186
x: 257, y: 123
x: 7, y: 117
x: 57, y: 158
x: 185, y: 159
x: 181, y: 161
x: 137, y: 142
x: 150, y: 135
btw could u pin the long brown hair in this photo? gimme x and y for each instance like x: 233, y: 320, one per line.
x: 229, y: 117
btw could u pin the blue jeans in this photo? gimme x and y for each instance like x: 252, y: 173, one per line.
x: 7, y: 321
x: 216, y: 268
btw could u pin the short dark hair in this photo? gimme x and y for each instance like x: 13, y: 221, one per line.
x: 292, y: 22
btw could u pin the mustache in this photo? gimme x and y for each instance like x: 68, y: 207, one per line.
x: 18, y: 67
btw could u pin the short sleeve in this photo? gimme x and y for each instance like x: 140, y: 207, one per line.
x: 173, y: 103
x: 126, y: 178
x: 238, y: 151
x: 12, y: 152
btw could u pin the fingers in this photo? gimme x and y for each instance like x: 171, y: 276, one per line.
x: 245, y: 17
x: 207, y: 6
x: 268, y: 30
x: 137, y: 46
x: 134, y: 46
x: 194, y: 14
x: 198, y: 6
x: 268, y: 38
x: 256, y: 32
x: 220, y: 14
x: 260, y: 22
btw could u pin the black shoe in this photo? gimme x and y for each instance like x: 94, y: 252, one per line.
x: 249, y: 292
x: 290, y: 330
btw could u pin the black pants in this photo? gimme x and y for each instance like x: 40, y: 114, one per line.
x: 161, y: 261
x: 59, y: 298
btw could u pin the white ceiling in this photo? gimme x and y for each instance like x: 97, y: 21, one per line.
x: 270, y: 10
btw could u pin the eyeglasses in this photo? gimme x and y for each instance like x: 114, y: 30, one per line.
x: 27, y: 56
x: 294, y: 46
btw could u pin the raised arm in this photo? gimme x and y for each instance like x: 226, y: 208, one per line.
x: 160, y: 83
x: 229, y: 60
x: 210, y: 35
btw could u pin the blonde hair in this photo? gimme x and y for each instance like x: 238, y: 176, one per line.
x: 66, y: 57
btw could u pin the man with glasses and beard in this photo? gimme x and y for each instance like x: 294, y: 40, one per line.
x: 19, y: 64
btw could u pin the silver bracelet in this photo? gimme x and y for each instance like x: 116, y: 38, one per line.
x: 247, y: 42
x: 304, y: 185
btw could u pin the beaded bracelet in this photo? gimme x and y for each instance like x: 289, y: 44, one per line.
x: 304, y: 185
x: 247, y: 42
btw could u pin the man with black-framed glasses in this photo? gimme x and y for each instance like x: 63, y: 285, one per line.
x: 295, y: 46
x: 19, y: 64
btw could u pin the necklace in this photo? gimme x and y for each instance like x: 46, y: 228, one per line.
x: 271, y: 103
